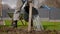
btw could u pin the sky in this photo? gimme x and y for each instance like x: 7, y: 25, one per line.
x: 11, y: 3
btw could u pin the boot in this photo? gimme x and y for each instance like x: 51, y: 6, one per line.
x: 14, y: 24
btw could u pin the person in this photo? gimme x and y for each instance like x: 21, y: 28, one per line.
x: 17, y: 12
x: 23, y: 5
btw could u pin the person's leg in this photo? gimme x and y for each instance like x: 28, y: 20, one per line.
x: 36, y: 20
x: 18, y: 11
x: 15, y: 18
x: 37, y: 23
x: 31, y: 23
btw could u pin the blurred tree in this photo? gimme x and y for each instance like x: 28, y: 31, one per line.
x: 0, y: 8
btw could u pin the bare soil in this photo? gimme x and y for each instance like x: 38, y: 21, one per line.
x: 21, y: 30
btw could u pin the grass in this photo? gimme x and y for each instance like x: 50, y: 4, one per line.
x: 9, y: 22
x: 47, y: 25
x: 51, y: 25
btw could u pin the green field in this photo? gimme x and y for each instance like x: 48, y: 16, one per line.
x: 47, y: 25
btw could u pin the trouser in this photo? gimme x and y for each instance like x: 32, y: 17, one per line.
x: 37, y: 23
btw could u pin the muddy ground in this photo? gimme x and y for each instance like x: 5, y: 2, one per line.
x: 21, y: 30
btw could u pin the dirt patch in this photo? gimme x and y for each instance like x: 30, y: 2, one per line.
x: 9, y: 30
